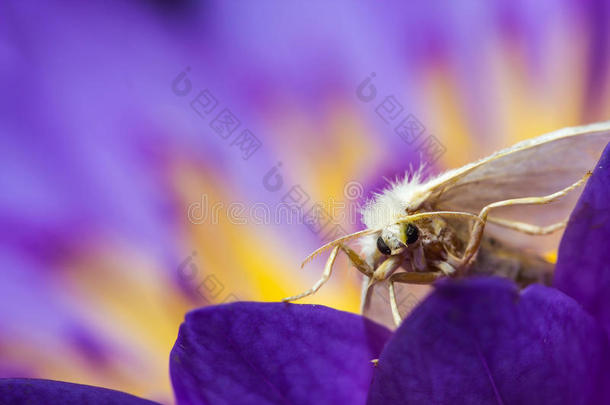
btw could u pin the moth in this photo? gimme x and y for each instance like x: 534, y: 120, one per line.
x: 468, y: 220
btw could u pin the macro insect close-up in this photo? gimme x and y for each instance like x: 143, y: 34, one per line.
x: 278, y: 202
x: 435, y: 228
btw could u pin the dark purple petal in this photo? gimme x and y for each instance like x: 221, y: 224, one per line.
x: 273, y: 353
x: 583, y: 264
x: 479, y: 342
x: 17, y: 391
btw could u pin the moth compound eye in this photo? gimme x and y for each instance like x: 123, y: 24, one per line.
x: 383, y: 248
x: 412, y: 234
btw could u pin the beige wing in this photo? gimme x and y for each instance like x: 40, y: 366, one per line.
x: 532, y: 168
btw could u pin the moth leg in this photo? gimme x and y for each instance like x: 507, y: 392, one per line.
x: 363, y: 267
x: 419, y: 258
x: 365, y: 294
x: 533, y: 200
x: 357, y: 261
x: 445, y: 267
x: 409, y: 278
x: 382, y: 272
x: 528, y: 228
x: 386, y: 268
x: 394, y: 305
x: 328, y: 268
x: 477, y: 232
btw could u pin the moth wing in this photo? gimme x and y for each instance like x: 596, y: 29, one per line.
x: 532, y: 168
x: 377, y: 306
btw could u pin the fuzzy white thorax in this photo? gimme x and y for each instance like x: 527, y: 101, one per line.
x: 404, y: 195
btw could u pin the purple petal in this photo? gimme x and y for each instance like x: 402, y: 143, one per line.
x: 272, y: 353
x: 583, y: 267
x: 49, y: 392
x: 478, y: 341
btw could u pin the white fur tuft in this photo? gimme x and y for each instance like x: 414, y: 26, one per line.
x: 394, y: 202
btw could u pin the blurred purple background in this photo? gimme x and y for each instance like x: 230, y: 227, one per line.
x: 112, y: 163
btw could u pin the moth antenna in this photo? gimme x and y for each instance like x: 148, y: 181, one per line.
x: 431, y: 214
x: 335, y: 242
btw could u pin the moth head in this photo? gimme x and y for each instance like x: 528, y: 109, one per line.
x: 394, y: 239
